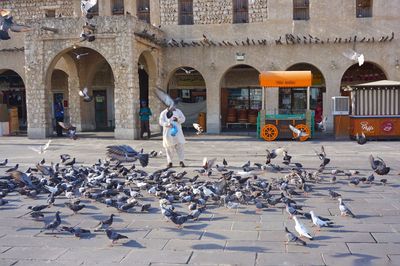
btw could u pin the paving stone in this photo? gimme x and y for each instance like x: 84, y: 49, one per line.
x: 318, y: 246
x: 163, y: 256
x: 7, y: 262
x: 258, y: 226
x: 4, y: 249
x: 387, y: 237
x: 377, y: 249
x: 254, y: 246
x: 48, y: 262
x: 33, y: 253
x: 264, y: 259
x: 394, y: 259
x: 98, y: 255
x: 223, y: 258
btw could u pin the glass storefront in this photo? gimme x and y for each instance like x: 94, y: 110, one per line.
x: 245, y: 98
x: 294, y: 100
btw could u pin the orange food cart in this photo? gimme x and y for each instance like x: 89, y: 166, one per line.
x: 273, y: 126
x: 375, y: 109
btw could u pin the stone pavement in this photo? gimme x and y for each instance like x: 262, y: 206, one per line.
x: 221, y: 236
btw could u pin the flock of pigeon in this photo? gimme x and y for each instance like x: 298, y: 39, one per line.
x: 121, y: 182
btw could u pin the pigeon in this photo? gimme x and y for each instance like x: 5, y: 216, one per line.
x: 37, y: 215
x: 103, y: 225
x: 322, y: 125
x: 353, y: 55
x: 84, y: 93
x: 79, y: 56
x: 125, y: 153
x: 12, y: 169
x: 114, y: 236
x: 3, y: 202
x: 344, y: 210
x: 41, y: 149
x: 165, y: 98
x: 334, y: 194
x: 224, y: 162
x: 7, y: 24
x: 318, y: 222
x: 301, y: 230
x: 74, y: 207
x: 38, y: 208
x: 361, y: 139
x: 290, y: 237
x: 179, y: 220
x: 188, y: 71
x: 76, y: 231
x: 199, y: 129
x: 145, y: 207
x: 4, y: 163
x: 378, y: 165
x: 298, y: 133
x: 208, y: 164
x: 86, y: 6
x: 71, y: 130
x: 55, y: 223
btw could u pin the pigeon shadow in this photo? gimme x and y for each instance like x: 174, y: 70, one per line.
x: 362, y: 259
x: 324, y: 237
x: 246, y: 249
x: 133, y: 244
x: 196, y: 226
x: 207, y: 247
x: 218, y: 218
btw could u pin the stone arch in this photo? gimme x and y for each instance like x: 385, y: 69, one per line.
x: 368, y: 72
x: 240, y: 96
x: 13, y: 94
x: 189, y: 84
x: 81, y: 72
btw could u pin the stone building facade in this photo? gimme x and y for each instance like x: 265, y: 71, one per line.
x: 226, y: 53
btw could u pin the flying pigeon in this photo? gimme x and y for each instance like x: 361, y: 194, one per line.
x: 41, y: 149
x: 299, y: 133
x: 353, y: 55
x: 322, y: 125
x: 7, y: 24
x: 125, y: 153
x: 86, y: 6
x: 188, y: 71
x: 71, y: 130
x: 166, y: 99
x: 198, y: 128
x: 378, y: 165
x: 79, y: 56
x: 55, y: 223
x: 84, y: 93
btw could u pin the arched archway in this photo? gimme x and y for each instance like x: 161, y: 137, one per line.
x: 241, y: 98
x: 12, y: 93
x: 86, y: 68
x: 356, y: 74
x: 294, y: 100
x: 188, y: 84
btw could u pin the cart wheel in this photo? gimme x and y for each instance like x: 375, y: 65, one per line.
x: 305, y: 129
x: 269, y: 132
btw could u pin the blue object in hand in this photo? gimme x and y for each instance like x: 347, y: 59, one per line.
x: 174, y: 129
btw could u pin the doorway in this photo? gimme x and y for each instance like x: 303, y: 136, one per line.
x: 144, y: 85
x: 100, y: 109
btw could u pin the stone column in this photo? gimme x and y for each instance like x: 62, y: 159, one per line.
x: 37, y: 100
x: 213, y: 105
x: 74, y: 101
x: 332, y: 89
x: 272, y: 100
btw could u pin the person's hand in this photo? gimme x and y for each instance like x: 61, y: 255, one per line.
x: 169, y: 125
x: 175, y: 119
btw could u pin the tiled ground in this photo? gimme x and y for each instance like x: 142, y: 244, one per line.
x: 221, y: 236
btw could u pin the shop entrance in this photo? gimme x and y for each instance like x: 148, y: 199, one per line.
x: 100, y: 109
x: 241, y: 99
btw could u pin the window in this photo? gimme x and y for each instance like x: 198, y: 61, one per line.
x: 301, y: 9
x: 364, y: 8
x: 117, y: 7
x: 186, y: 12
x: 50, y: 13
x: 143, y: 10
x: 240, y: 11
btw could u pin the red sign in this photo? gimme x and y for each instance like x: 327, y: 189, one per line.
x: 387, y: 126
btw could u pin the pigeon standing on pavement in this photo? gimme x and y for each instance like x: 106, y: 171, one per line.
x: 290, y: 237
x: 300, y: 229
x: 114, y: 236
x: 344, y: 210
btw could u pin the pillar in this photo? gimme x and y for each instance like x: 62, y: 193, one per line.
x: 272, y: 100
x: 213, y: 106
x: 332, y: 89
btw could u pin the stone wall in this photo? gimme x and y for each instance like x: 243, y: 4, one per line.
x: 211, y: 11
x: 34, y: 9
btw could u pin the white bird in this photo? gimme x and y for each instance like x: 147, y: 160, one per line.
x: 318, y: 222
x: 208, y: 164
x: 344, y: 210
x: 299, y: 133
x: 41, y: 149
x: 188, y: 71
x: 84, y: 93
x: 301, y: 230
x: 322, y: 124
x: 353, y: 55
x: 86, y: 5
x: 79, y: 56
x: 198, y: 128
x: 165, y: 98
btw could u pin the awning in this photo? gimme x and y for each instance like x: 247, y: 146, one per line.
x: 285, y: 79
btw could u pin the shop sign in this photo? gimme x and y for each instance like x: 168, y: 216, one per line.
x: 190, y: 81
x: 366, y: 127
x: 387, y: 126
